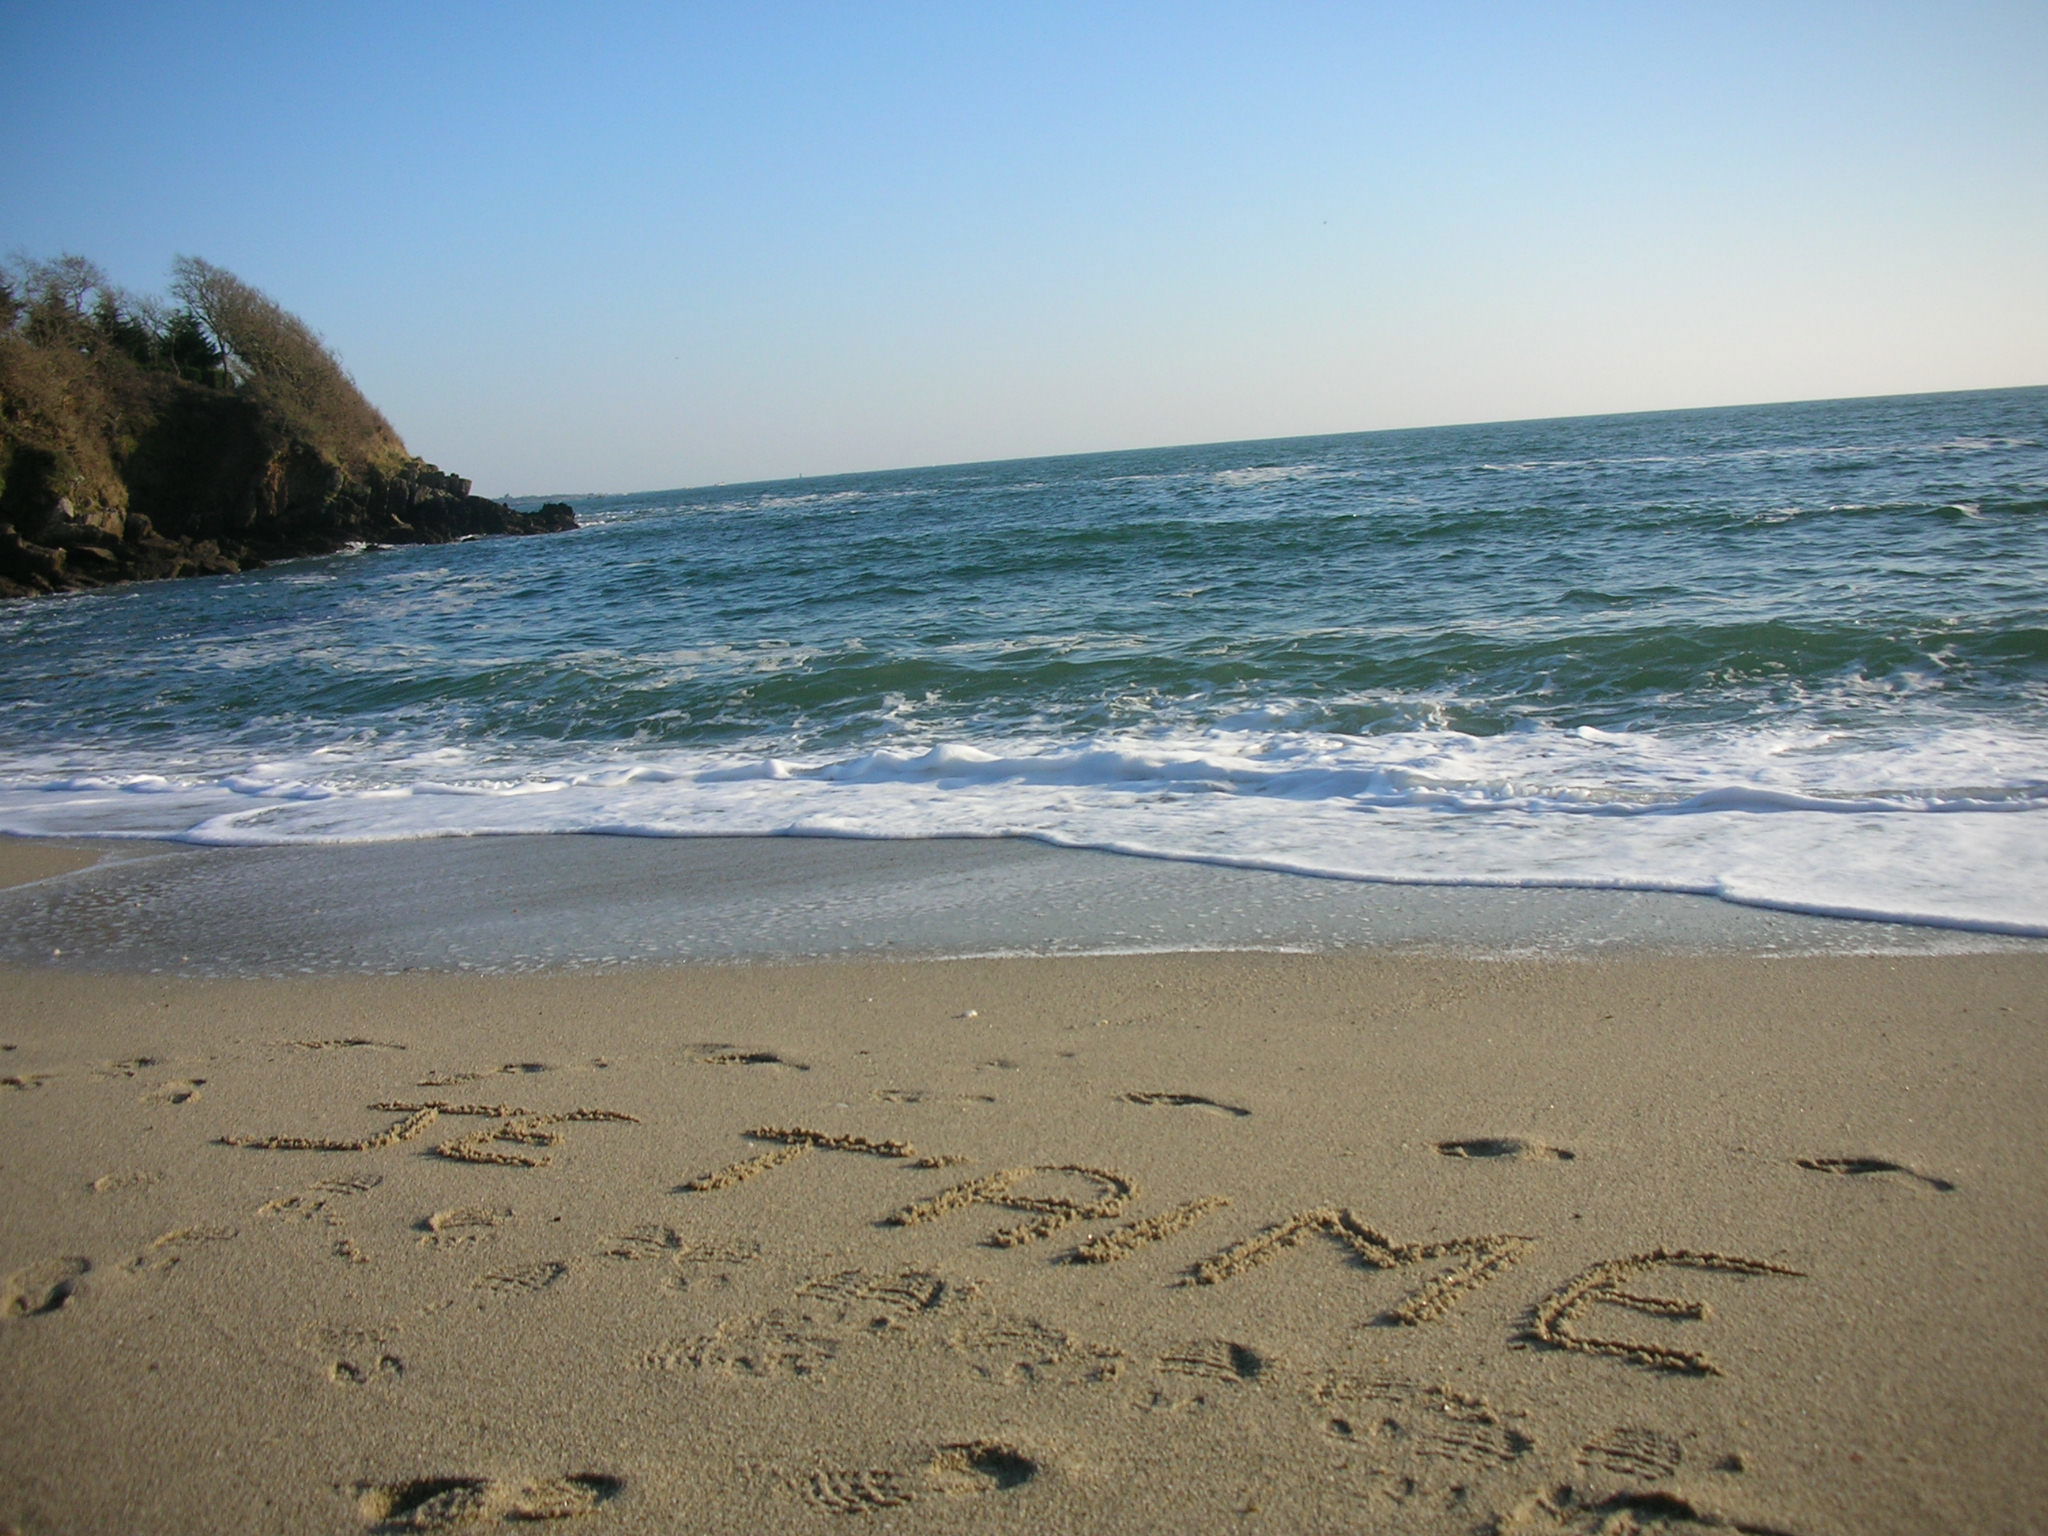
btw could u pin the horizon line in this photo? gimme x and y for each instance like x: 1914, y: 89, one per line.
x: 1231, y: 442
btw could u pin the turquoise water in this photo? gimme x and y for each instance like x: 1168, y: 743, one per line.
x: 1793, y: 655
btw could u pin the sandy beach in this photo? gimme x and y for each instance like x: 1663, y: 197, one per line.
x: 1399, y: 1239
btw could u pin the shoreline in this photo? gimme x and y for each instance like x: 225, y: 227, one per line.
x: 1396, y: 1239
x: 543, y: 902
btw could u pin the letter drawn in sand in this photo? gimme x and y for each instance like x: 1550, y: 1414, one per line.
x: 522, y: 1127
x: 1121, y: 1242
x: 406, y: 1129
x: 1555, y: 1318
x: 527, y: 1130
x: 743, y: 1170
x: 1053, y: 1212
x: 1478, y: 1259
x: 791, y: 1143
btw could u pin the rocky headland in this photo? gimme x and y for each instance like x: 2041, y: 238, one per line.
x: 140, y: 440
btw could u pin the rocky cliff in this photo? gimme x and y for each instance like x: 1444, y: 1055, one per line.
x: 136, y: 446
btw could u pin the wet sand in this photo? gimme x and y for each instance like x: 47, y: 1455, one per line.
x: 1365, y: 1239
x: 517, y: 904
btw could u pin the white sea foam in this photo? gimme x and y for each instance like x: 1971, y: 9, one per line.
x: 1266, y: 474
x: 1949, y: 830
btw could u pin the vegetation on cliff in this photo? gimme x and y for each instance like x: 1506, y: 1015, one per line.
x: 207, y: 432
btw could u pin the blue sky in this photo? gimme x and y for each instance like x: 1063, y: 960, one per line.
x: 633, y: 246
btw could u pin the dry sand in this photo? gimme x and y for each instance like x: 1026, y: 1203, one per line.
x: 1245, y: 1242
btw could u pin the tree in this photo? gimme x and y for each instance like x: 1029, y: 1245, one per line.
x: 190, y: 353
x: 125, y: 324
x: 279, y: 359
x: 52, y: 297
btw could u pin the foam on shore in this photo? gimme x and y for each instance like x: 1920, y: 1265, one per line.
x: 1785, y: 818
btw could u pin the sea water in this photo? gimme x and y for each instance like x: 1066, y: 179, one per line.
x: 1792, y: 656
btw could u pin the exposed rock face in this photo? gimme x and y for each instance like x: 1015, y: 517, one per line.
x: 212, y: 484
x: 115, y: 470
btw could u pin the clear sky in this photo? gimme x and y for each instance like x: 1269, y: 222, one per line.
x: 624, y: 246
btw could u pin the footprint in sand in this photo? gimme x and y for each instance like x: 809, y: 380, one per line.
x: 708, y: 1264
x: 968, y: 1469
x: 1216, y: 1360
x: 651, y: 1240
x: 444, y: 1503
x: 1203, y: 1373
x: 1568, y: 1511
x: 43, y: 1288
x: 527, y: 1279
x: 356, y: 1357
x: 134, y: 1066
x: 778, y: 1343
x: 183, y: 1092
x: 24, y: 1082
x: 856, y: 1491
x: 133, y: 1178
x: 1856, y: 1166
x: 872, y: 1303
x: 1187, y: 1101
x: 168, y: 1251
x: 979, y: 1466
x: 348, y: 1373
x: 829, y: 1315
x: 1023, y: 1351
x: 732, y: 1056
x: 1415, y: 1444
x: 463, y: 1226
x: 1629, y: 1451
x: 352, y: 1042
x: 689, y: 1261
x: 1510, y: 1148
x: 315, y: 1203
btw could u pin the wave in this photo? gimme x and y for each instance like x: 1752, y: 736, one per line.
x: 1780, y: 823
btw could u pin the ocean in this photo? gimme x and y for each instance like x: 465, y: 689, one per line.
x: 1790, y: 656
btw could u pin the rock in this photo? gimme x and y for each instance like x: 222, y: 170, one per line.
x: 236, y: 507
x: 26, y: 567
x: 189, y: 479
